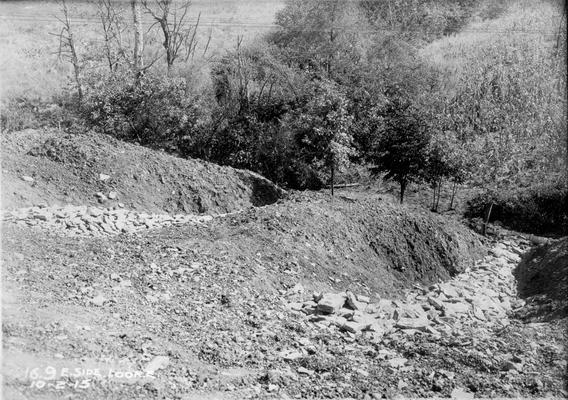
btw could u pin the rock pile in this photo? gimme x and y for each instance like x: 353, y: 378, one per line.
x: 95, y: 221
x: 482, y: 296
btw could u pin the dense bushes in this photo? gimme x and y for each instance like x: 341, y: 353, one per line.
x: 155, y: 111
x: 423, y: 20
x: 19, y: 114
x: 341, y: 83
x: 539, y: 210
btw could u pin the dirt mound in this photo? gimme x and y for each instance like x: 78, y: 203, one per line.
x: 349, y: 242
x: 368, y: 245
x: 94, y: 169
x: 542, y: 278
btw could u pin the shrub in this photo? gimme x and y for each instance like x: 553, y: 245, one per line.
x: 19, y: 114
x: 249, y: 125
x: 322, y: 130
x: 538, y: 210
x: 401, y: 145
x: 155, y: 112
x: 246, y: 141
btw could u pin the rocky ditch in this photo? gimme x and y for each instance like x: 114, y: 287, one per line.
x: 96, y: 221
x: 468, y: 307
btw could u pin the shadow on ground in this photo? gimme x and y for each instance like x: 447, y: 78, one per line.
x: 542, y: 277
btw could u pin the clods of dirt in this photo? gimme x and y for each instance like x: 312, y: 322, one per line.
x: 93, y: 169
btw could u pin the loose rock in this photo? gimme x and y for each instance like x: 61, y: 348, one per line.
x: 331, y: 303
x: 159, y: 362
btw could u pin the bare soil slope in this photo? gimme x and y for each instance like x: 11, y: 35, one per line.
x: 542, y: 278
x: 210, y: 297
x: 68, y: 168
x: 368, y: 245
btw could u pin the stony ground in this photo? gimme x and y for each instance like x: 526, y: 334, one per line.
x: 109, y: 303
x: 175, y: 279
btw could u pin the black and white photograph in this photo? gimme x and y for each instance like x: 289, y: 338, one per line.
x: 284, y: 199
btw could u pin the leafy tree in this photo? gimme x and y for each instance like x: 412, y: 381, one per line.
x: 254, y: 91
x: 460, y: 166
x: 436, y: 168
x: 323, y: 130
x: 251, y: 76
x: 401, y: 146
x: 448, y: 159
x: 322, y: 37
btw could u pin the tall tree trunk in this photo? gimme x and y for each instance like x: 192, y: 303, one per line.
x: 403, y: 184
x: 433, y: 196
x: 439, y: 195
x: 332, y: 177
x: 138, y: 61
x: 484, y: 231
x: 77, y: 71
x: 69, y: 41
x: 167, y: 45
x: 454, y: 190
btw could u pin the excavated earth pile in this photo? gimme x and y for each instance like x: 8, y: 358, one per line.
x: 49, y: 167
x: 371, y: 244
x: 112, y: 290
x: 543, y: 282
x: 379, y: 247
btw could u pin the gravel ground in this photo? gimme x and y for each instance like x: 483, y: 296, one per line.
x: 223, y: 308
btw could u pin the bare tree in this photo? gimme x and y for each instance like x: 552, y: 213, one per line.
x: 178, y: 31
x: 139, y: 67
x: 138, y: 59
x: 67, y: 47
x: 113, y: 27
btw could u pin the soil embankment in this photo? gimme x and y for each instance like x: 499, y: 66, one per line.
x: 49, y: 167
x: 368, y: 245
x: 207, y: 307
x: 542, y: 279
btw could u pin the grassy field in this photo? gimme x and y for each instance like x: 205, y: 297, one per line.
x: 526, y: 33
x: 30, y: 67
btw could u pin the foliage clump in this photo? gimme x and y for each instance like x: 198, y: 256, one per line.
x: 540, y: 209
x: 401, y: 146
x: 155, y: 111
